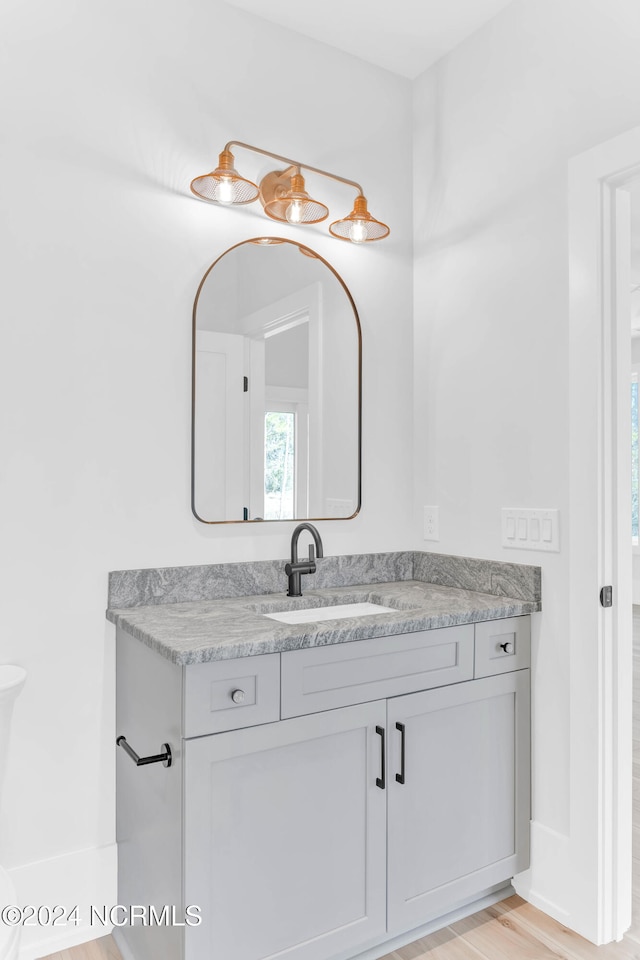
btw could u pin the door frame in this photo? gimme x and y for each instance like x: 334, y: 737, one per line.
x: 302, y: 306
x: 599, y: 896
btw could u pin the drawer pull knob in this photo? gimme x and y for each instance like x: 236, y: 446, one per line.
x: 238, y: 696
x: 507, y: 647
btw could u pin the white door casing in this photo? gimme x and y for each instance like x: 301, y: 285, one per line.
x: 591, y: 866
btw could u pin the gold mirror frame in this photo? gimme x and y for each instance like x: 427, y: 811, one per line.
x: 307, y: 251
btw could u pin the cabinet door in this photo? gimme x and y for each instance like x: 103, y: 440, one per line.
x: 460, y: 821
x: 285, y: 840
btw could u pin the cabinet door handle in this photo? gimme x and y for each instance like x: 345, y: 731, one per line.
x: 380, y: 780
x: 400, y: 776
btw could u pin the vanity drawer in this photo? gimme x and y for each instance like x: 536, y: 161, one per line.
x: 209, y: 688
x: 322, y: 678
x: 492, y: 636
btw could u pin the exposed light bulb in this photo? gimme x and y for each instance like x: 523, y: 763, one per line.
x: 294, y: 211
x: 224, y: 191
x: 357, y: 231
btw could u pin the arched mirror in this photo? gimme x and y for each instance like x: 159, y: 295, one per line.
x: 277, y: 359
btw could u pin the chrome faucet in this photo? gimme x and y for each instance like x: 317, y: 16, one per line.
x: 296, y: 568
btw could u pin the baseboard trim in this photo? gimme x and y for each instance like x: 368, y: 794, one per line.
x: 550, y: 866
x: 122, y: 945
x: 84, y: 878
x: 547, y: 906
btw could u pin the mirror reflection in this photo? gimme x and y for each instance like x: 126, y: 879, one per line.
x: 276, y: 388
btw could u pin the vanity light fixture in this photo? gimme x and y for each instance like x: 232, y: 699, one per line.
x: 292, y: 203
x: 359, y: 226
x: 224, y: 184
x: 284, y: 197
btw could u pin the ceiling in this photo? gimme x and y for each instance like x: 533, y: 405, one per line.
x: 405, y: 36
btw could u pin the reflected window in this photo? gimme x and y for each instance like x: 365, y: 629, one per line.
x: 279, y: 465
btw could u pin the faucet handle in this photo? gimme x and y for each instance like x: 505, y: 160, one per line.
x: 300, y: 566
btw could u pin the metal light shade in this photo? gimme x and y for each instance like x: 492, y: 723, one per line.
x: 225, y: 185
x: 359, y: 226
x: 295, y: 205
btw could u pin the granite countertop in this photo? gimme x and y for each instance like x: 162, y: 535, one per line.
x: 223, y: 629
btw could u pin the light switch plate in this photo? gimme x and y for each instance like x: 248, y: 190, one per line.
x: 431, y: 523
x: 525, y: 529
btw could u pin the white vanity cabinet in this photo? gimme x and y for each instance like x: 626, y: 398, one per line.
x: 394, y: 789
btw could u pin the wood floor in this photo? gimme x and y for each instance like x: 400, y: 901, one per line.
x: 510, y: 930
x: 102, y: 949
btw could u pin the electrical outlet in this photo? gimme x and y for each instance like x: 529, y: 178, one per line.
x: 431, y: 523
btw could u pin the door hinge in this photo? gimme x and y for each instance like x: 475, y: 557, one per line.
x: 245, y: 384
x: 606, y: 596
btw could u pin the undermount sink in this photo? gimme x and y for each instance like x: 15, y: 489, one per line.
x: 338, y: 612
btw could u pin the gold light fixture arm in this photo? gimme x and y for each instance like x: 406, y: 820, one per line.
x: 294, y: 163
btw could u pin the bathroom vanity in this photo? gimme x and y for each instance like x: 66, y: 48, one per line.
x: 334, y: 784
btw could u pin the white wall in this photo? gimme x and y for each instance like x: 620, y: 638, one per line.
x: 495, y: 124
x: 109, y: 110
x: 635, y: 360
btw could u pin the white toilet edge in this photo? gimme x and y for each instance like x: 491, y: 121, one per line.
x: 12, y: 679
x: 9, y: 936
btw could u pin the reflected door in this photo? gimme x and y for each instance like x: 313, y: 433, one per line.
x: 220, y: 404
